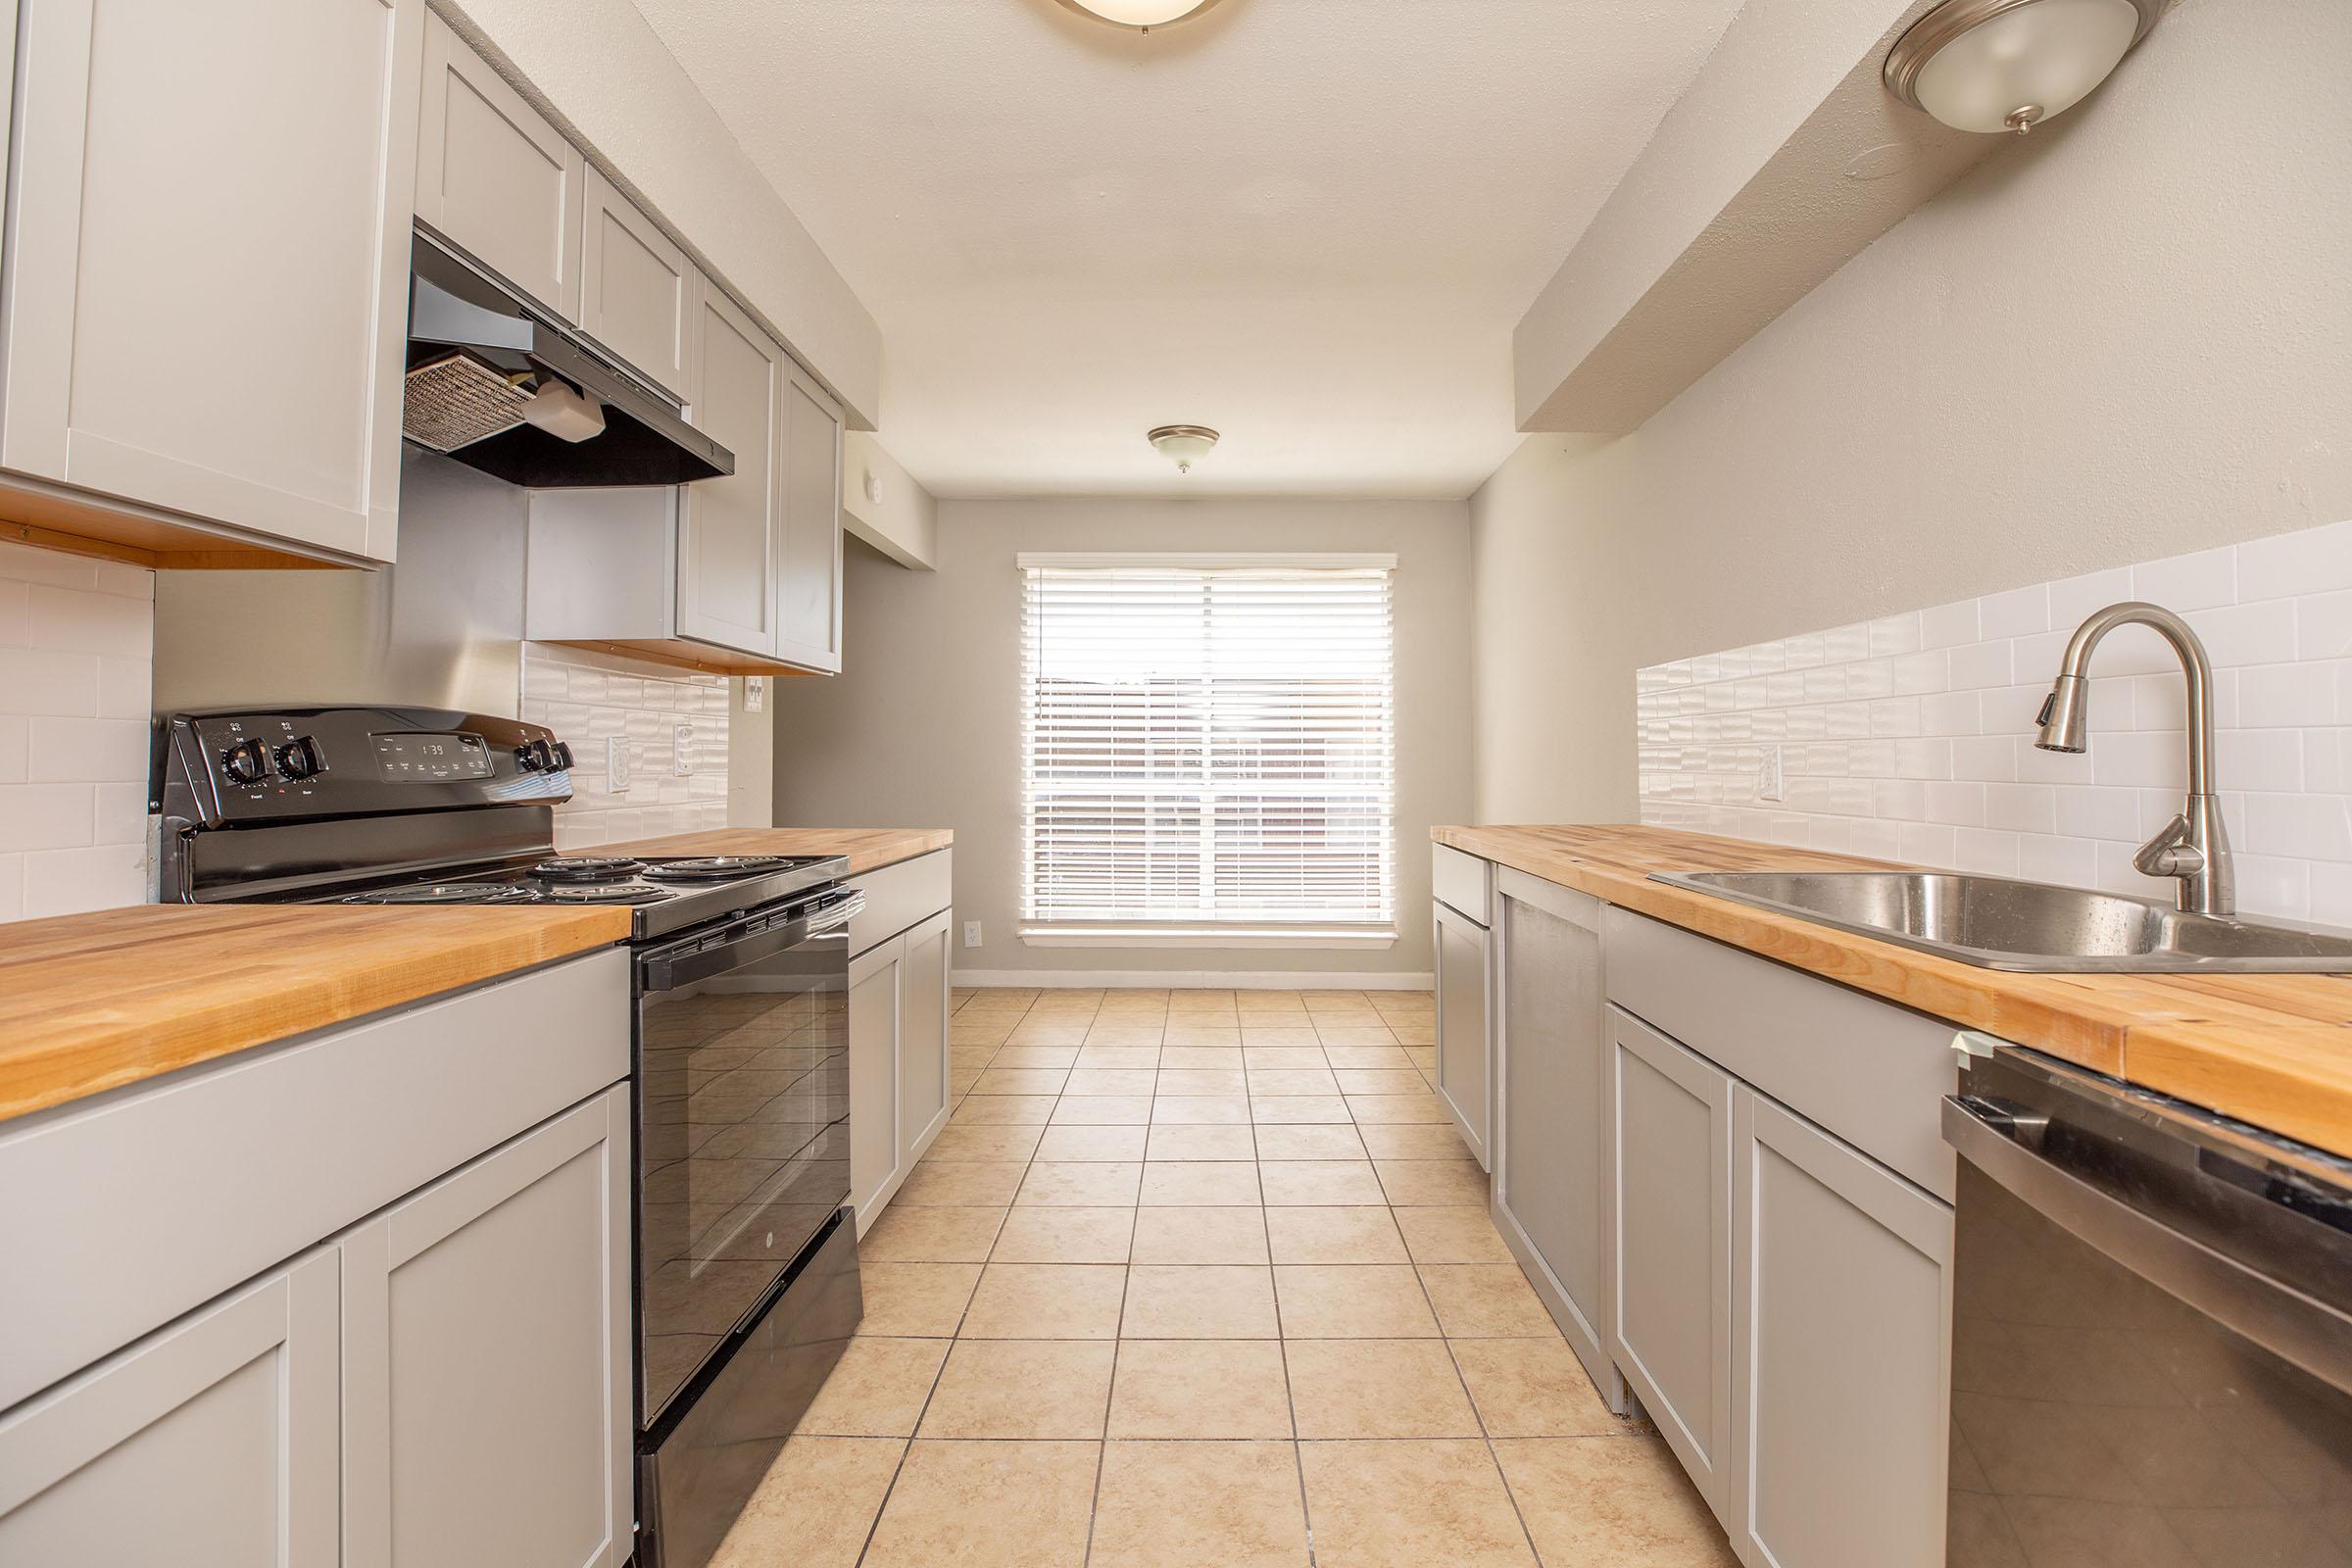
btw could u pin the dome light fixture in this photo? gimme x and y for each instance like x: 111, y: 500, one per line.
x: 1182, y: 444
x: 1995, y: 66
x: 1140, y: 15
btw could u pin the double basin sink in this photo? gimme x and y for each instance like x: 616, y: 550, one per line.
x: 2025, y: 927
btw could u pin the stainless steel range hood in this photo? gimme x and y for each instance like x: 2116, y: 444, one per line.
x: 498, y: 386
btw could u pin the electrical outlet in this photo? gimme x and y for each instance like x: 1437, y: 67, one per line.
x: 1769, y: 784
x: 616, y: 765
x: 755, y: 693
x: 971, y: 933
x: 681, y: 751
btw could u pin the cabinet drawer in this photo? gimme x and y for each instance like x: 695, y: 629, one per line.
x: 155, y: 1201
x: 1460, y: 880
x: 1871, y: 1073
x: 898, y: 895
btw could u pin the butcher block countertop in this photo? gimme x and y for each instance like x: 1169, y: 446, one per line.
x: 869, y: 849
x: 2272, y: 1049
x: 93, y: 1001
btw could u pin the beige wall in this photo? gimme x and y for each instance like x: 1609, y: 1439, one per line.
x: 2124, y: 338
x: 923, y: 727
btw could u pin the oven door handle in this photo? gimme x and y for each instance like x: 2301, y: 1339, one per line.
x: 684, y: 962
x: 2282, y: 1320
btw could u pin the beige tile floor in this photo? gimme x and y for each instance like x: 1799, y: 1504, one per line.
x: 1198, y: 1279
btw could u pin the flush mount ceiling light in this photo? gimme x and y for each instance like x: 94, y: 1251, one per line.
x: 1182, y: 444
x: 1141, y: 15
x: 1996, y: 66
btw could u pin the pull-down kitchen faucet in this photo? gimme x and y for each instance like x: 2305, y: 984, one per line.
x: 2193, y: 847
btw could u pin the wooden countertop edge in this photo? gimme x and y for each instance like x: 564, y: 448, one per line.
x: 260, y: 1000
x: 2271, y: 1049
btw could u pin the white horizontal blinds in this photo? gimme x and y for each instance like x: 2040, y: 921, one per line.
x: 1209, y: 745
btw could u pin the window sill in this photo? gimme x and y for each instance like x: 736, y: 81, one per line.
x: 1238, y: 938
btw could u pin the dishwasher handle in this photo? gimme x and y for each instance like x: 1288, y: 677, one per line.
x: 2010, y: 1148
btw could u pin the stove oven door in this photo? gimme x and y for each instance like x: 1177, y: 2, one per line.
x: 743, y: 1129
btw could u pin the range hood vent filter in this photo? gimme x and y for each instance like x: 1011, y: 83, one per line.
x: 456, y: 400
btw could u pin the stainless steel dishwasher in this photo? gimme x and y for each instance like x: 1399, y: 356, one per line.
x: 2152, y: 1331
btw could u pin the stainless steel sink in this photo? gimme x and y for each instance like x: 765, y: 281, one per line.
x: 2033, y: 927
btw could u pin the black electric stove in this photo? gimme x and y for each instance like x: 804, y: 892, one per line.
x: 417, y: 807
x: 745, y: 1249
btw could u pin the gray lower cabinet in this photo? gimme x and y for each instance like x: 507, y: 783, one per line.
x: 924, y: 1074
x: 1670, y: 1115
x: 486, y: 1387
x: 1842, y: 1291
x: 211, y: 1444
x: 876, y: 1019
x: 439, y: 1376
x: 898, y: 1070
x: 1552, y: 1166
x: 1465, y: 1070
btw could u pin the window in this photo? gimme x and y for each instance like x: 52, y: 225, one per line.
x: 1209, y: 750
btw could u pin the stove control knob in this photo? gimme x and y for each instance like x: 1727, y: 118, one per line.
x: 534, y: 756
x: 299, y: 759
x: 563, y: 756
x: 246, y: 763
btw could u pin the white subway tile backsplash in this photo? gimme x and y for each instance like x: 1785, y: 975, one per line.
x: 1911, y: 736
x: 2015, y: 614
x: 77, y: 638
x: 2183, y: 583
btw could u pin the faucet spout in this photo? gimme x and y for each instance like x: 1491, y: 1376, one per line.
x: 2193, y: 848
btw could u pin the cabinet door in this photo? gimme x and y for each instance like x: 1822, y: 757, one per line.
x: 809, y: 546
x: 877, y: 999
x: 211, y: 1444
x: 1671, y: 1129
x: 487, y: 1343
x: 1841, y: 1362
x: 923, y: 1076
x: 639, y: 291
x: 1465, y: 1072
x: 494, y: 177
x: 208, y: 257
x: 727, y: 528
x: 1551, y: 1097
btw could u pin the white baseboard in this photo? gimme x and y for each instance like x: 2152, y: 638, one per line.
x: 1196, y: 979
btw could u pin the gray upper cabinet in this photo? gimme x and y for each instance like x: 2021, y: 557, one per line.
x: 727, y: 528
x: 211, y: 1444
x: 1671, y: 1318
x: 208, y: 260
x: 809, y: 530
x: 1551, y: 1168
x: 486, y: 1385
x: 495, y: 178
x: 1842, y: 1366
x: 639, y: 292
x: 1465, y: 1072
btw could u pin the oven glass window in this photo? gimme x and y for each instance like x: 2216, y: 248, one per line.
x: 743, y: 1146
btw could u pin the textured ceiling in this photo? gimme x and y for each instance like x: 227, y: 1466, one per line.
x: 1311, y: 223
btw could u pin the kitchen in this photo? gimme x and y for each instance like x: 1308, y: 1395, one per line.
x: 724, y: 859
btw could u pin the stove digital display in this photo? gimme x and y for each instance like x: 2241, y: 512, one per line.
x: 432, y: 758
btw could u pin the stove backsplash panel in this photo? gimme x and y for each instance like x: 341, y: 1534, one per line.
x: 596, y: 702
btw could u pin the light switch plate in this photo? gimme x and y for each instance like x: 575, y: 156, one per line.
x: 1770, y: 785
x: 616, y: 765
x: 681, y: 751
x: 755, y: 693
